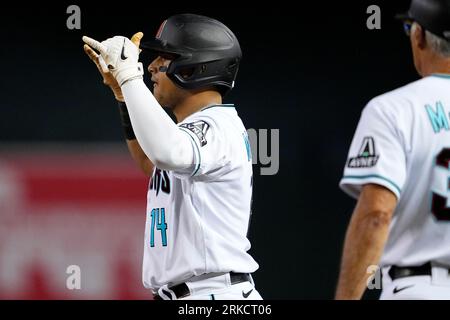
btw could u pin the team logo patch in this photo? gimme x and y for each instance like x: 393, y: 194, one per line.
x: 367, y: 156
x: 199, y: 128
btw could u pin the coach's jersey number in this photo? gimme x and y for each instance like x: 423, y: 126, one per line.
x: 158, y: 217
x: 439, y: 206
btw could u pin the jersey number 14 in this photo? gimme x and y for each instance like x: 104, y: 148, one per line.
x: 158, y: 218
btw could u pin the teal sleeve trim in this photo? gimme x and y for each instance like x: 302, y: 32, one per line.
x: 197, y: 167
x: 378, y: 177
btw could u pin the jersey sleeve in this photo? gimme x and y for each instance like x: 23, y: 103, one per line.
x: 377, y: 153
x: 210, y: 147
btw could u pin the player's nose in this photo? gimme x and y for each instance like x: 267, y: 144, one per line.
x: 153, y: 66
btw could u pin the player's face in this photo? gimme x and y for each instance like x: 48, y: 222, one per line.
x: 164, y: 90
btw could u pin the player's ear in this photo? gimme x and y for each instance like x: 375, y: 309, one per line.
x: 419, y: 36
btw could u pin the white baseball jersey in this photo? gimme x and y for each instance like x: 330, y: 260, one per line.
x: 403, y: 143
x: 197, y: 219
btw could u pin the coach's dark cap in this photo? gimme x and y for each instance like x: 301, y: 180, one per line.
x: 432, y: 15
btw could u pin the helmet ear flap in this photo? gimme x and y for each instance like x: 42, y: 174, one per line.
x: 187, y: 73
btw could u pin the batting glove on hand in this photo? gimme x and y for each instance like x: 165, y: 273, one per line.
x: 108, y: 78
x: 121, y: 57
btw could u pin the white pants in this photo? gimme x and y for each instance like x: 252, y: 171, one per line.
x: 215, y: 288
x: 434, y: 287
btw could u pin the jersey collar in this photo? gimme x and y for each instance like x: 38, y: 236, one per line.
x: 441, y: 75
x: 224, y: 105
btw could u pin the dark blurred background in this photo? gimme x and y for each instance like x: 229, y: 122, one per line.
x: 307, y: 71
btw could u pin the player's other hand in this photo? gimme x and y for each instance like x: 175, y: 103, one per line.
x: 108, y: 78
x: 117, y: 61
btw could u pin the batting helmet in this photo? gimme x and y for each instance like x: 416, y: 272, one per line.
x: 206, y: 52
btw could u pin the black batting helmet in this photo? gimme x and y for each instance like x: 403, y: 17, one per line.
x: 203, y: 46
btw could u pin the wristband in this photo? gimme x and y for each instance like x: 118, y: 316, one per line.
x: 126, y: 122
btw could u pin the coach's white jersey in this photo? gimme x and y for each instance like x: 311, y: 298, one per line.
x: 197, y: 220
x: 403, y: 143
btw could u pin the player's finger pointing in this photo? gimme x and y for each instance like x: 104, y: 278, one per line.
x: 95, y: 44
x: 136, y: 38
x: 91, y: 53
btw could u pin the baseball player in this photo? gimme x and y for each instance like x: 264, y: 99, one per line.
x: 199, y: 195
x: 398, y: 169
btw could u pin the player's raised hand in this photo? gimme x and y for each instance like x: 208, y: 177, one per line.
x: 108, y: 78
x: 120, y: 55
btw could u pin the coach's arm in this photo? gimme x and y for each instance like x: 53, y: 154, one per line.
x: 366, y: 237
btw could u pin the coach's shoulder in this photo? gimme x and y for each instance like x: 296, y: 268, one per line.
x: 402, y: 96
x: 398, y: 101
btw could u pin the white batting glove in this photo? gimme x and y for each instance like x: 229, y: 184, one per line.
x: 121, y: 57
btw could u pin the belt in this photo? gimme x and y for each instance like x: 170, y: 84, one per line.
x: 182, y: 290
x: 396, y: 272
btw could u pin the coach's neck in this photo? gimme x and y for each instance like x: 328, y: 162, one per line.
x: 434, y: 63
